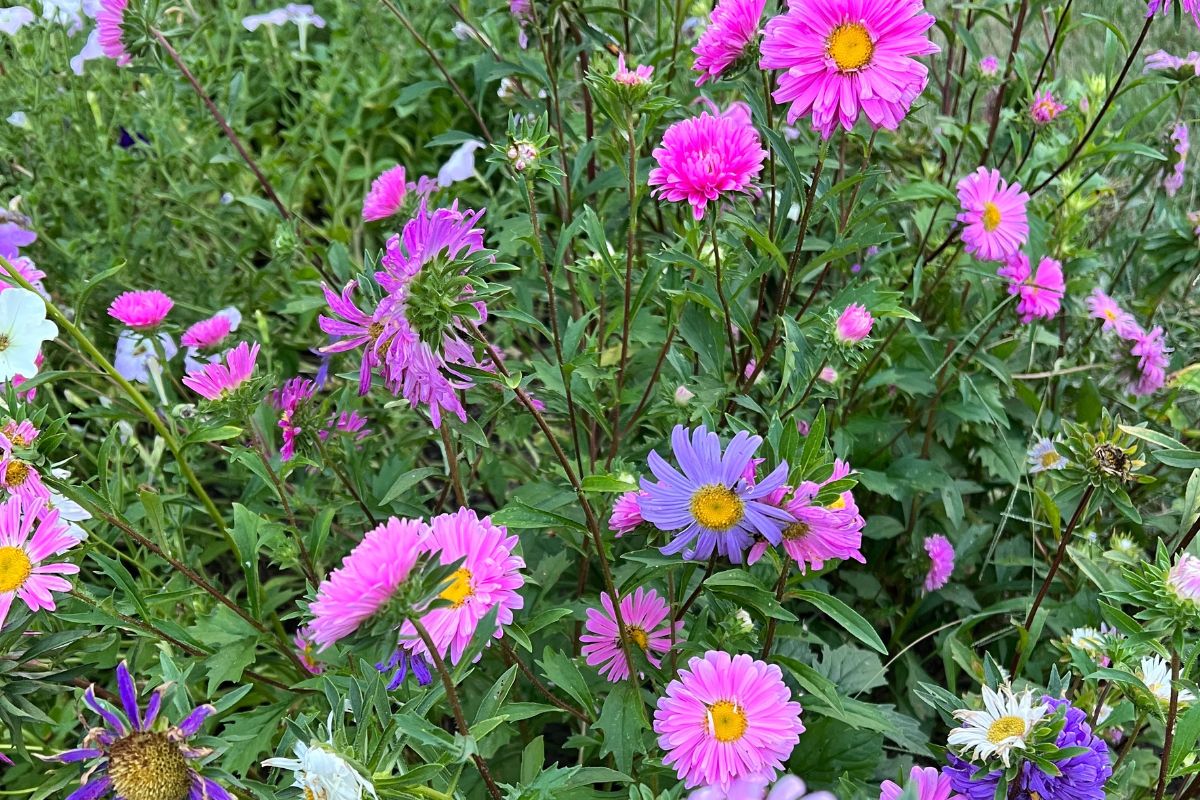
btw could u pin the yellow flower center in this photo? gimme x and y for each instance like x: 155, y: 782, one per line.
x: 991, y: 217
x: 850, y: 46
x: 797, y: 530
x: 319, y: 793
x: 375, y: 329
x: 1004, y: 728
x: 15, y: 473
x: 726, y: 722
x: 1109, y: 315
x: 4, y: 342
x: 148, y: 766
x: 1049, y: 459
x: 459, y: 589
x: 717, y: 507
x: 15, y: 568
x: 637, y: 636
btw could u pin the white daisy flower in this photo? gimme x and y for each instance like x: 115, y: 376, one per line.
x: 23, y: 328
x: 322, y: 774
x: 1156, y: 674
x: 1089, y: 640
x: 1042, y: 456
x: 1001, y: 727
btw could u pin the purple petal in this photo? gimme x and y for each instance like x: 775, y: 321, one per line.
x: 91, y: 789
x: 128, y: 694
x: 153, y: 706
x: 212, y: 790
x: 79, y: 754
x: 190, y: 726
x: 115, y: 724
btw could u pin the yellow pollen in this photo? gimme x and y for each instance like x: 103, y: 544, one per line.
x: 797, y: 530
x: 838, y: 504
x: 460, y: 588
x: 15, y: 568
x: 375, y: 329
x: 637, y: 636
x: 991, y: 217
x: 1050, y: 459
x: 320, y: 793
x: 726, y: 722
x: 1004, y: 728
x: 148, y: 766
x: 15, y: 473
x: 850, y: 46
x: 1110, y: 315
x: 4, y: 342
x: 717, y: 507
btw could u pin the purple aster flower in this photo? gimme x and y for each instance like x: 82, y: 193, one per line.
x: 134, y: 757
x: 290, y: 399
x: 13, y: 237
x: 708, y: 504
x: 399, y: 665
x: 1173, y: 181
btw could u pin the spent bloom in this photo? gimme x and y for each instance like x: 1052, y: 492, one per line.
x: 999, y: 728
x: 141, y: 311
x: 1148, y: 374
x: 1039, y: 293
x: 854, y: 324
x: 703, y: 158
x: 731, y: 34
x: 993, y: 213
x: 1044, y: 108
x: 929, y: 784
x: 109, y: 22
x: 1044, y: 456
x: 31, y: 534
x: 1184, y: 578
x: 638, y: 76
x: 386, y: 195
x: 218, y: 380
x: 1173, y: 181
x: 320, y: 773
x: 761, y: 787
x: 647, y: 626
x: 844, y: 58
x: 291, y: 398
x: 626, y: 513
x: 726, y: 718
x: 708, y: 504
x: 23, y: 329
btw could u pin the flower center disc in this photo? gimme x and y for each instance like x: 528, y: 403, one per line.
x: 1004, y: 728
x: 717, y: 507
x: 637, y: 636
x: 991, y: 217
x: 459, y: 589
x: 4, y: 342
x: 1050, y: 459
x: 148, y: 766
x: 15, y: 567
x: 15, y: 473
x: 726, y: 722
x: 797, y: 530
x: 850, y: 47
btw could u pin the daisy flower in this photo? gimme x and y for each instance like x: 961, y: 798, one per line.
x: 709, y: 505
x: 941, y: 561
x: 320, y: 773
x: 216, y: 381
x: 1092, y: 641
x: 643, y: 612
x: 999, y: 728
x: 626, y: 513
x: 760, y: 787
x: 1044, y: 108
x: 993, y: 215
x: 110, y: 19
x: 1184, y: 578
x: 134, y: 757
x: 731, y: 34
x: 1044, y: 456
x: 704, y: 158
x: 1040, y: 293
x: 368, y: 578
x: 844, y: 58
x: 726, y: 717
x: 489, y: 577
x: 141, y: 311
x: 30, y: 534
x: 23, y: 329
x: 1155, y: 672
x: 928, y: 783
x: 386, y: 195
x: 854, y: 324
x: 1109, y: 312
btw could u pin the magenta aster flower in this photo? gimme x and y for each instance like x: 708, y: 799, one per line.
x: 761, y: 787
x: 368, y: 578
x: 941, y: 561
x: 489, y: 577
x: 703, y: 158
x: 731, y: 34
x: 218, y: 380
x: 1151, y: 351
x: 993, y: 215
x: 1183, y: 579
x: 1173, y: 181
x: 346, y: 423
x: 18, y: 434
x: 109, y: 20
x: 1113, y: 317
x: 638, y: 76
x: 19, y: 477
x: 1040, y: 293
x: 854, y: 324
x: 644, y: 612
x: 626, y: 513
x: 928, y: 783
x: 1189, y: 6
x: 820, y: 533
x: 726, y: 717
x: 844, y: 58
x: 141, y: 310
x: 386, y: 195
x: 133, y: 759
x: 1044, y: 108
x: 306, y: 650
x: 207, y: 333
x: 290, y: 399
x: 989, y: 66
x: 30, y: 534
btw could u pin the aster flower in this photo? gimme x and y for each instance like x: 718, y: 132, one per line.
x: 31, y: 534
x: 843, y: 58
x: 14, y: 236
x: 141, y: 311
x: 522, y: 12
x: 489, y: 577
x: 726, y: 718
x: 760, y: 787
x: 1044, y: 108
x: 1162, y: 61
x: 1173, y: 181
x: 19, y: 477
x: 290, y: 399
x: 1155, y: 672
x: 320, y: 773
x: 400, y: 663
x: 993, y: 215
x: 1109, y: 312
x: 941, y: 561
x: 710, y: 506
x: 23, y: 329
x: 731, y: 35
x: 306, y: 649
x: 137, y: 356
x: 386, y: 195
x: 989, y: 66
x: 1044, y: 456
x: 109, y: 22
x: 928, y: 783
x: 1040, y: 293
x: 218, y: 380
x: 1151, y: 351
x: 818, y: 533
x: 208, y: 333
x: 18, y: 434
x: 132, y: 758
x: 626, y: 513
x: 854, y: 324
x: 1189, y: 6
x: 999, y: 728
x: 704, y: 158
x: 369, y: 577
x: 1184, y: 578
x: 828, y: 375
x: 643, y: 612
x: 347, y: 423
x: 1092, y: 641
x: 638, y: 76
x: 27, y: 270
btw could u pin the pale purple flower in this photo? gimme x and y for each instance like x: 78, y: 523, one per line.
x: 1173, y: 181
x: 136, y: 358
x: 989, y: 66
x: 460, y: 166
x: 1184, y: 578
x: 941, y: 561
x: 15, y: 18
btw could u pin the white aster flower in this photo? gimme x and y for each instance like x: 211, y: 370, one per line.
x: 136, y: 358
x: 1042, y: 456
x: 1001, y: 727
x: 322, y: 774
x: 1089, y: 640
x: 23, y: 328
x: 1156, y: 674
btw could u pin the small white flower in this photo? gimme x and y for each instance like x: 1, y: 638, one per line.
x: 23, y: 328
x: 18, y: 119
x: 1089, y: 640
x: 744, y: 621
x: 1001, y: 727
x: 1042, y: 456
x: 461, y: 164
x: 136, y: 357
x: 322, y: 774
x: 15, y: 18
x: 1156, y: 674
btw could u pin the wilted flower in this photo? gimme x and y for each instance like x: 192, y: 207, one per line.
x: 321, y: 774
x: 1150, y: 349
x: 290, y: 399
x: 1173, y: 181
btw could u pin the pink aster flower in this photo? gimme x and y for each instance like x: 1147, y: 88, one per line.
x: 18, y: 434
x: 1112, y: 316
x: 993, y: 215
x: 989, y: 66
x: 941, y: 561
x: 819, y: 533
x: 19, y: 477
x: 705, y: 157
x: 386, y: 195
x: 1044, y: 108
x: 1040, y: 293
x: 290, y: 399
x: 522, y: 11
x: 1183, y: 579
x: 854, y: 324
x: 1173, y: 181
x: 1189, y: 6
x: 828, y: 375
x: 731, y: 34
x: 347, y: 423
x: 489, y: 577
x: 643, y: 612
x: 1151, y: 351
x: 760, y: 787
x: 368, y: 578
x: 725, y: 718
x: 30, y: 534
x: 141, y: 310
x: 844, y: 58
x: 626, y: 513
x: 207, y: 333
x: 109, y: 19
x: 638, y: 76
x: 928, y: 782
x: 307, y: 651
x: 218, y: 380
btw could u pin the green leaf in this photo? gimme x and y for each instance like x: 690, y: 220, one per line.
x: 739, y: 587
x: 844, y: 615
x: 622, y: 721
x: 228, y: 663
x: 1187, y: 459
x: 566, y: 676
x: 406, y: 481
